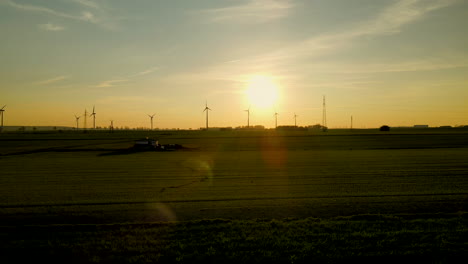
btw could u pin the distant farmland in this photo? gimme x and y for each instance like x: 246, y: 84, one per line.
x: 74, y: 178
x: 233, y: 174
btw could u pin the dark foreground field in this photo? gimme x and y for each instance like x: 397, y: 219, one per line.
x: 238, y: 196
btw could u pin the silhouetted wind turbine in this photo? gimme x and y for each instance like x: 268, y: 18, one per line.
x: 276, y: 120
x: 112, y: 125
x: 77, y: 119
x: 151, y: 117
x: 206, y: 109
x: 295, y: 123
x: 248, y: 117
x: 93, y: 114
x: 85, y: 116
x: 1, y: 115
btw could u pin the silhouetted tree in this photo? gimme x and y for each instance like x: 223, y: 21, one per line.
x: 385, y: 128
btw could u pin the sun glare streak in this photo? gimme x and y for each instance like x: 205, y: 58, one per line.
x: 262, y: 91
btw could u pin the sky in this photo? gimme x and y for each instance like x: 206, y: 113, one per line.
x: 383, y: 62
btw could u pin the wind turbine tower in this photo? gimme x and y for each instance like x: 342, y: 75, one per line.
x: 1, y: 115
x: 276, y: 120
x: 206, y: 109
x: 324, y: 115
x: 85, y: 115
x: 248, y: 117
x: 351, y: 122
x: 295, y: 120
x: 77, y: 119
x: 94, y: 118
x: 111, y: 126
x: 151, y: 117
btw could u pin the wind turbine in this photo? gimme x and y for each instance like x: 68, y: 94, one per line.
x: 77, y: 119
x: 1, y: 115
x: 112, y: 126
x: 248, y: 117
x: 295, y: 123
x: 206, y: 109
x: 93, y: 114
x: 151, y: 117
x: 276, y: 120
x: 85, y: 115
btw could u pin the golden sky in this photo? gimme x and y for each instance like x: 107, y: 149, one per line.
x: 400, y: 62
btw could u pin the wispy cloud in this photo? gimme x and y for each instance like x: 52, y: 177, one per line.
x: 85, y: 16
x: 38, y: 9
x: 118, y: 80
x: 52, y: 80
x: 110, y: 83
x: 403, y: 12
x: 405, y: 66
x: 88, y: 16
x: 145, y: 72
x: 296, y: 58
x: 50, y: 27
x: 390, y: 21
x: 253, y: 11
x: 87, y: 3
x: 113, y: 99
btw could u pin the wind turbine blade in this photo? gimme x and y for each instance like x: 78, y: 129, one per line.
x: 3, y: 107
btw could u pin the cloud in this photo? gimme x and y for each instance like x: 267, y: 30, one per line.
x: 85, y: 16
x: 38, y: 9
x: 145, y: 72
x: 52, y: 80
x: 129, y: 99
x: 87, y: 3
x: 253, y: 11
x: 390, y: 21
x: 393, y: 18
x: 50, y: 27
x: 110, y: 83
x: 295, y: 58
x: 115, y: 81
x: 88, y: 16
x: 405, y: 66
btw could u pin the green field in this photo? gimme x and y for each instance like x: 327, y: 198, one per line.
x: 55, y: 181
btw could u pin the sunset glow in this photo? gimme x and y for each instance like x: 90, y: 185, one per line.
x: 262, y: 92
x: 398, y: 62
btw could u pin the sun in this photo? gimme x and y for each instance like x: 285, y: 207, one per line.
x: 262, y: 91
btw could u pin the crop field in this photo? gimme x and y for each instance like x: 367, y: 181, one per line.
x: 227, y: 179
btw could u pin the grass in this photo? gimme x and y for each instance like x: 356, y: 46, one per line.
x: 368, y: 238
x: 277, y: 196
